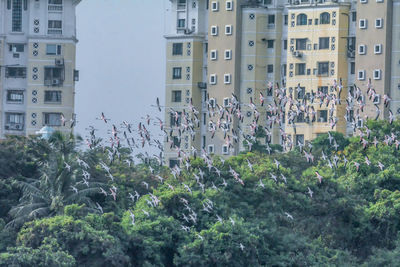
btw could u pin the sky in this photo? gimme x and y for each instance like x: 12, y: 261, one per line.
x: 121, y: 59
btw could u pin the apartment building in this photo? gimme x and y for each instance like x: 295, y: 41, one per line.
x: 37, y: 65
x: 249, y: 46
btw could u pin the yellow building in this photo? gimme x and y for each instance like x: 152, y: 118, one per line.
x: 316, y: 57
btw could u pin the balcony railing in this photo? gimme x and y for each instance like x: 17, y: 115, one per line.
x: 53, y: 7
x: 54, y: 31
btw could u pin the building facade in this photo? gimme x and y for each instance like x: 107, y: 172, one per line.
x: 37, y: 65
x: 288, y: 55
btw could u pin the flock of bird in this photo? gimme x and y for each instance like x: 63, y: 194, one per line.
x: 221, y: 119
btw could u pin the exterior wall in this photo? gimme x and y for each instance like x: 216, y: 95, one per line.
x: 255, y: 58
x: 220, y: 67
x: 249, y: 63
x: 370, y: 61
x: 34, y: 36
x: 193, y: 40
x: 337, y: 31
x: 395, y: 68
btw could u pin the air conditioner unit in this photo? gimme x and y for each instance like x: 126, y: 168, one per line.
x: 59, y: 62
x: 202, y: 85
x: 16, y: 126
x: 15, y: 55
x: 297, y: 54
x: 188, y: 31
x: 55, y: 82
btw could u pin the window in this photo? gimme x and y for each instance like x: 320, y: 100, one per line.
x: 226, y: 101
x: 300, y: 93
x: 54, y: 27
x: 14, y: 121
x: 322, y: 116
x: 176, y: 96
x: 352, y: 68
x: 301, y: 19
x: 363, y: 1
x: 210, y: 149
x: 354, y: 16
x: 176, y: 73
x: 285, y: 19
x: 227, y: 78
x: 325, y: 18
x: 284, y: 44
x: 378, y: 23
x: 181, y: 23
x: 214, y: 6
x: 16, y: 48
x: 53, y: 49
x: 15, y: 72
x: 323, y: 68
x: 300, y: 68
x: 300, y: 117
x: 213, y: 79
x: 14, y: 96
x: 299, y: 139
x: 213, y: 103
x: 229, y: 5
x: 16, y: 15
x: 173, y: 163
x: 316, y: 22
x: 53, y: 76
x: 362, y: 24
x: 175, y: 121
x: 55, y: 5
x: 378, y: 49
x: 213, y: 54
x: 284, y: 67
x: 214, y: 30
x: 52, y: 119
x: 323, y: 43
x: 228, y: 54
x: 176, y: 141
x: 271, y: 21
x: 270, y: 68
x: 361, y: 75
x: 323, y: 89
x: 228, y: 29
x: 361, y: 49
x: 377, y: 74
x: 52, y: 96
x: 301, y: 44
x: 177, y: 49
x: 270, y: 43
x: 225, y: 150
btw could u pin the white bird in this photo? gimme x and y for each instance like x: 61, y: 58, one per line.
x: 241, y: 246
x: 146, y: 213
x: 99, y: 208
x: 132, y: 217
x: 232, y: 221
x: 310, y: 192
x: 261, y: 184
x: 74, y: 189
x: 289, y: 216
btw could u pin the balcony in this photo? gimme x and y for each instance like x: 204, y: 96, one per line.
x: 53, y: 7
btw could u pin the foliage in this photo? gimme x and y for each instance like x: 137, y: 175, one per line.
x: 352, y: 218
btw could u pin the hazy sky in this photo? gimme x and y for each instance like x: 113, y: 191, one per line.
x: 121, y: 59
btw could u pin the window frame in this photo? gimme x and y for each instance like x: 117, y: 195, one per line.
x: 362, y: 49
x: 213, y: 54
x: 379, y: 76
x: 9, y: 100
x: 379, y: 51
x: 227, y: 78
x: 228, y: 29
x: 213, y: 79
x: 214, y: 30
x: 361, y: 78
x: 364, y: 22
x: 301, y: 19
x: 325, y: 20
x: 214, y: 6
x: 176, y: 51
x: 231, y: 5
x: 175, y: 72
x: 229, y: 51
x: 174, y: 96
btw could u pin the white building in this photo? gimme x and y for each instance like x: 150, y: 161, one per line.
x: 37, y: 65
